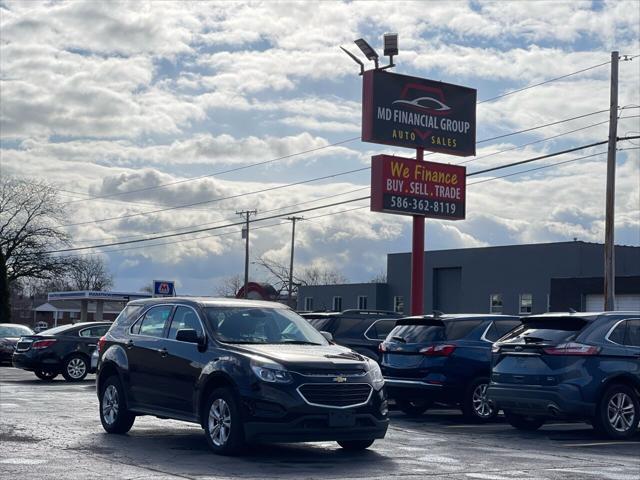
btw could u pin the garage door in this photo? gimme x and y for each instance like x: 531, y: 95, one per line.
x: 595, y: 303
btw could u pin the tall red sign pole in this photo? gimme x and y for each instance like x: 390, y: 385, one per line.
x: 417, y: 258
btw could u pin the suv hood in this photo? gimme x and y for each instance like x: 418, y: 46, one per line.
x: 313, y: 356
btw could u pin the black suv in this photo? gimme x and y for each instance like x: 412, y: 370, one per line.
x: 246, y: 371
x: 66, y: 349
x: 360, y: 330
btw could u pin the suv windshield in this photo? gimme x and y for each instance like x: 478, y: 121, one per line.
x: 261, y: 325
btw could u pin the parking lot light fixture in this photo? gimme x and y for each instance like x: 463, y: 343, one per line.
x: 390, y: 46
x: 368, y: 50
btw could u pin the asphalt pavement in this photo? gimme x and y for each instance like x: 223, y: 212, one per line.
x: 52, y: 431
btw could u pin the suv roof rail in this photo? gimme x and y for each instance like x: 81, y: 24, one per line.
x: 356, y: 311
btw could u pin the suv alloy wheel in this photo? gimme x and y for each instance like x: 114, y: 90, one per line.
x: 75, y: 368
x: 618, y: 412
x: 114, y: 415
x: 476, y: 406
x: 223, y: 424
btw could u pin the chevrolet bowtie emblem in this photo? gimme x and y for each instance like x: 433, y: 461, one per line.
x: 340, y: 379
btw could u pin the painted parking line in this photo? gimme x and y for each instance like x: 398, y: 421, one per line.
x: 598, y: 444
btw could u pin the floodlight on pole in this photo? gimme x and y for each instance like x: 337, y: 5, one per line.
x: 368, y: 50
x: 355, y: 59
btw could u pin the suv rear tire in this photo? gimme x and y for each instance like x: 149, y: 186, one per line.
x: 355, y: 445
x: 413, y: 408
x: 475, y: 405
x: 617, y: 413
x: 523, y: 422
x: 114, y: 415
x: 75, y: 368
x: 223, y: 423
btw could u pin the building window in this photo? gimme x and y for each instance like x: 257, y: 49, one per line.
x: 308, y: 303
x: 362, y: 302
x: 398, y: 304
x: 526, y: 303
x: 495, y: 303
x: 337, y: 304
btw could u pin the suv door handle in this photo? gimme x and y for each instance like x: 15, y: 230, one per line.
x: 129, y: 344
x: 163, y: 352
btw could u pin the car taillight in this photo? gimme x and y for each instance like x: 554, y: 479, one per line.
x: 572, y: 348
x: 438, y: 350
x: 101, y: 343
x: 40, y: 344
x: 382, y: 347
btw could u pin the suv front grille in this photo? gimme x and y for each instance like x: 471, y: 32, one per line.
x: 343, y: 395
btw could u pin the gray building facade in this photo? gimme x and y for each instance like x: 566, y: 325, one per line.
x: 514, y: 279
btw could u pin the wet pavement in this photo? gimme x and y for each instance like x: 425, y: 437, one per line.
x: 52, y: 431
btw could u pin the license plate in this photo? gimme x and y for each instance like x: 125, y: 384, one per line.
x: 342, y: 419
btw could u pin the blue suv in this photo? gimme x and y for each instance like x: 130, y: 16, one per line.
x: 576, y: 366
x: 444, y: 359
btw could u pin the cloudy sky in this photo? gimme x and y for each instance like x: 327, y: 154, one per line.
x: 133, y: 108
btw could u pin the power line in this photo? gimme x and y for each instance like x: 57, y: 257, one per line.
x: 304, y: 181
x: 314, y: 208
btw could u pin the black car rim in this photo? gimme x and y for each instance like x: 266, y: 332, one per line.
x: 219, y: 422
x: 76, y: 368
x: 621, y: 412
x: 481, y: 405
x: 110, y: 404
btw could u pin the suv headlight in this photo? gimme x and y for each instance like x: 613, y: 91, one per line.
x: 270, y: 372
x: 377, y: 380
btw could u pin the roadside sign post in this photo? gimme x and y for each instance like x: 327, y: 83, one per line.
x: 414, y: 112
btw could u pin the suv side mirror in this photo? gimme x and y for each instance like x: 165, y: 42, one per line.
x: 189, y: 335
x: 327, y: 336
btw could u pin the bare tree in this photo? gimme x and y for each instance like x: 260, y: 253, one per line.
x: 380, y: 277
x: 89, y: 273
x: 230, y: 286
x: 148, y: 288
x: 28, y: 216
x: 279, y: 275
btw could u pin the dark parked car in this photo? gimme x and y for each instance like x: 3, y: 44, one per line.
x: 577, y: 366
x: 246, y: 371
x: 62, y: 350
x: 444, y: 359
x: 360, y: 330
x: 9, y: 335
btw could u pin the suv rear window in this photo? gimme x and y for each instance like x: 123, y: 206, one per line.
x: 319, y: 324
x: 548, y: 330
x: 425, y: 331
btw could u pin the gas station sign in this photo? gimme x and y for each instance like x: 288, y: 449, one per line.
x: 409, y: 187
x: 418, y: 113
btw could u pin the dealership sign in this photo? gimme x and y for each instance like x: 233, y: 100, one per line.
x: 417, y: 113
x: 410, y: 187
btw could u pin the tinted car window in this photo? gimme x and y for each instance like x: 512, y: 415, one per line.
x: 94, y: 331
x: 347, y: 326
x: 319, y: 323
x: 419, y: 333
x: 617, y: 335
x: 505, y: 326
x: 152, y: 324
x: 129, y: 313
x: 14, y: 331
x: 548, y: 330
x: 460, y: 328
x: 185, y: 318
x: 380, y: 329
x: 633, y: 333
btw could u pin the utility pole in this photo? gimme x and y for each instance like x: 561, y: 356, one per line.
x: 609, y: 242
x: 293, y: 237
x: 417, y: 258
x: 245, y: 231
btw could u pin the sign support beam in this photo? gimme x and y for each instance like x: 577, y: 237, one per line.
x: 417, y: 258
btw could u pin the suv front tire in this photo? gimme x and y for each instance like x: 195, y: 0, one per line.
x: 223, y: 424
x: 114, y: 415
